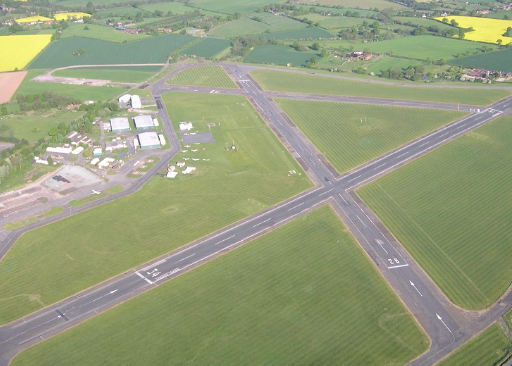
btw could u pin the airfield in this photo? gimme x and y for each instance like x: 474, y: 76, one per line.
x: 446, y: 325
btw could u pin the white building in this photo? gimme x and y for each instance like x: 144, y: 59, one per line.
x: 189, y: 169
x: 125, y: 98
x: 119, y: 124
x: 186, y: 126
x: 148, y: 140
x: 78, y: 150
x: 135, y: 101
x: 143, y: 122
x: 59, y: 150
x: 95, y: 161
x: 161, y: 137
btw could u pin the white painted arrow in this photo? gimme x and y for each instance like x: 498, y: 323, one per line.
x: 413, y: 285
x: 442, y: 321
x: 113, y: 291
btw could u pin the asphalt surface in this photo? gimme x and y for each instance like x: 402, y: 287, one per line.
x: 446, y: 325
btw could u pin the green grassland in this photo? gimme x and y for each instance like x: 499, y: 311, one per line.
x: 230, y: 6
x: 364, y: 4
x: 451, y: 210
x: 302, y: 294
x: 293, y: 82
x: 351, y: 134
x: 42, y: 268
x: 207, y: 47
x: 32, y: 126
x: 93, y: 52
x: 80, y: 92
x: 334, y: 22
x: 100, y: 32
x: 204, y: 75
x: 279, y: 55
x: 124, y: 74
x: 485, y: 349
x: 256, y: 24
x: 310, y: 33
x: 422, y: 22
x: 499, y: 60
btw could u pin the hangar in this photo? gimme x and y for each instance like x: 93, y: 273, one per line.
x: 148, y: 140
x: 144, y: 122
x: 119, y: 124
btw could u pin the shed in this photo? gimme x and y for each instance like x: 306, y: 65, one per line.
x: 135, y: 101
x: 148, y: 140
x: 119, y: 124
x: 143, y: 122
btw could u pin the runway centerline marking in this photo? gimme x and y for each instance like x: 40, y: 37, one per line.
x: 294, y: 207
x: 223, y: 240
x: 188, y: 256
x: 261, y: 223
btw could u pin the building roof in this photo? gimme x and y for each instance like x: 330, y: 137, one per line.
x: 135, y: 101
x: 119, y: 124
x: 147, y: 139
x: 144, y: 121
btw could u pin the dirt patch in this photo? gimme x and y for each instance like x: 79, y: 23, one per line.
x: 9, y: 83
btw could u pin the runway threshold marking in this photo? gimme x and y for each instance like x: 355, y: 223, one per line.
x: 144, y: 278
x: 399, y: 266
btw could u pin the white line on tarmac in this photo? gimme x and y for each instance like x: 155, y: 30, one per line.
x: 294, y: 207
x: 261, y: 223
x: 223, y: 240
x: 400, y: 265
x: 324, y: 193
x: 188, y: 256
x: 361, y: 221
x: 144, y: 278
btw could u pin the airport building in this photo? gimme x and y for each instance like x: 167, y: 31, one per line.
x: 135, y: 102
x: 148, y: 140
x: 143, y: 122
x: 119, y: 124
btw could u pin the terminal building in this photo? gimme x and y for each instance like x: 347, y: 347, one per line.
x: 143, y: 122
x: 148, y: 140
x: 119, y: 124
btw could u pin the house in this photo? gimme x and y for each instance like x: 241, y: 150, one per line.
x: 148, y: 140
x: 186, y: 126
x: 97, y: 151
x: 143, y: 122
x: 119, y: 124
x: 135, y: 102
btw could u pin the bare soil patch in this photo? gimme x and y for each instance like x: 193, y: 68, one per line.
x: 9, y: 83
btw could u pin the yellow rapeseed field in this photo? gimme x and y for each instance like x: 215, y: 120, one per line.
x: 71, y: 15
x: 18, y: 51
x: 37, y: 18
x: 485, y: 29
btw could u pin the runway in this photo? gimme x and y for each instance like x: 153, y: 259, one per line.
x: 446, y: 325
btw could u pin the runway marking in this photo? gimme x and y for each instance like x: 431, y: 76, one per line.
x: 188, y: 256
x: 381, y: 244
x: 361, y: 221
x: 343, y: 199
x: 380, y: 165
x: 223, y: 240
x: 324, y: 193
x: 144, y: 278
x: 350, y: 180
x: 261, y: 223
x: 399, y: 266
x: 294, y: 207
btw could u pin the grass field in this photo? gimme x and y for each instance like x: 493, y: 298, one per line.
x: 101, y: 32
x: 287, y: 298
x: 304, y: 34
x: 457, y: 225
x: 293, y: 82
x: 279, y: 55
x: 204, y: 75
x: 125, y: 74
x: 365, y: 4
x: 88, y: 51
x: 499, y: 60
x: 163, y: 215
x: 207, y: 47
x: 230, y: 6
x: 334, y: 22
x: 18, y: 51
x: 485, y: 29
x: 83, y: 93
x: 256, y: 24
x: 485, y: 349
x: 351, y: 134
x: 32, y: 127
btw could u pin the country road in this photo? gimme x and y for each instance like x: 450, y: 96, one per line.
x: 446, y: 325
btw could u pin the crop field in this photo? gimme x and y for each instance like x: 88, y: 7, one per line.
x: 19, y: 50
x: 293, y: 288
x: 294, y: 82
x: 365, y: 4
x: 265, y: 23
x: 499, y: 60
x: 9, y: 83
x: 121, y: 74
x: 32, y: 127
x: 81, y: 92
x: 204, y: 75
x: 38, y: 271
x: 35, y: 18
x: 485, y: 29
x: 278, y: 55
x: 87, y: 51
x: 487, y: 348
x: 100, y: 32
x: 423, y: 22
x: 305, y: 33
x: 334, y: 22
x: 207, y: 47
x: 351, y: 134
x: 71, y: 15
x: 461, y: 234
x: 230, y: 6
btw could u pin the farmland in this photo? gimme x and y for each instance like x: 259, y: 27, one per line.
x: 70, y: 15
x: 86, y: 51
x: 366, y: 4
x: 485, y: 29
x: 499, y: 60
x: 207, y: 47
x: 350, y: 134
x: 10, y: 81
x: 293, y: 82
x: 286, y: 293
x: 231, y: 186
x: 460, y: 235
x: 256, y: 25
x: 100, y: 32
x: 487, y: 348
x: 279, y: 55
x: 122, y: 74
x: 18, y: 51
x: 204, y: 75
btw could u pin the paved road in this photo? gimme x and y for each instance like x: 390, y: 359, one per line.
x: 446, y: 325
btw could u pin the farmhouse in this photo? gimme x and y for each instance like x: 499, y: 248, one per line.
x: 119, y: 124
x: 144, y: 122
x: 148, y: 140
